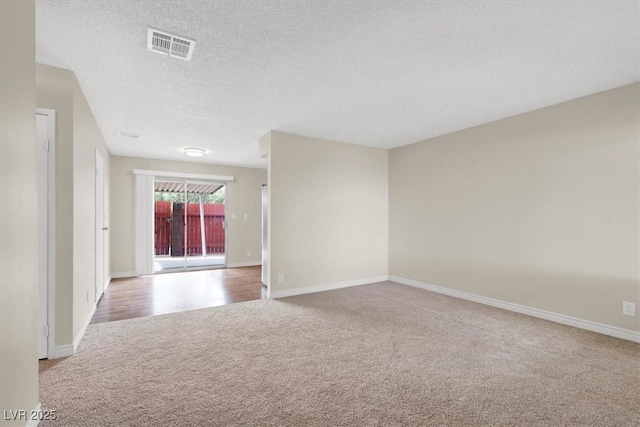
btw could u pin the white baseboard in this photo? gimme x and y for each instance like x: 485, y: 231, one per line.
x: 78, y: 338
x: 34, y: 422
x: 70, y: 349
x: 107, y: 283
x: 601, y: 328
x: 122, y: 274
x: 62, y: 351
x: 243, y: 264
x: 326, y: 287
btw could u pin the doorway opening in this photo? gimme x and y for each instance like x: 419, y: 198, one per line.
x: 189, y: 225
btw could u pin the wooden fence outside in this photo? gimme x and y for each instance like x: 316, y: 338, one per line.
x: 166, y: 213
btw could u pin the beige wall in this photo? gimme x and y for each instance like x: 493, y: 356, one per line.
x: 77, y: 138
x: 541, y: 209
x: 328, y: 212
x: 243, y: 195
x: 87, y: 138
x: 18, y: 210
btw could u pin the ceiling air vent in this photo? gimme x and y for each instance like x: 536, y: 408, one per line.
x: 167, y: 44
x: 182, y: 48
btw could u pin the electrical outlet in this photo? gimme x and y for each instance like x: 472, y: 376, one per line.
x: 280, y: 277
x: 628, y: 308
x: 245, y: 216
x: 233, y: 216
x: 248, y: 253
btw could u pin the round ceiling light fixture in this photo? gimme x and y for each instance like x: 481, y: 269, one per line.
x: 194, y: 152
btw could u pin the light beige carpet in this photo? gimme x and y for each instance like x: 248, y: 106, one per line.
x: 382, y: 354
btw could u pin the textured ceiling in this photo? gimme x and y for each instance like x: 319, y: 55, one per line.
x: 376, y: 73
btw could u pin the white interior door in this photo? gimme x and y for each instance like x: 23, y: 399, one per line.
x: 101, y: 226
x: 42, y: 148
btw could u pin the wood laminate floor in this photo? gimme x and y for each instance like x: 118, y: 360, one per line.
x: 173, y: 292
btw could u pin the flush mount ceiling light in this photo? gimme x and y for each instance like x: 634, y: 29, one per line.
x: 194, y: 152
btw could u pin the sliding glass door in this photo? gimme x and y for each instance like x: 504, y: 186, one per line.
x: 189, y: 225
x: 205, y: 226
x: 169, y: 200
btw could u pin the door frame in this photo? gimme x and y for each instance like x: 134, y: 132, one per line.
x: 143, y: 212
x: 103, y: 286
x: 51, y: 229
x: 186, y: 182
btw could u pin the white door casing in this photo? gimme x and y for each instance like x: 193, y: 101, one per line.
x: 101, y: 227
x: 46, y: 196
x: 42, y: 148
x: 265, y: 236
x: 144, y: 212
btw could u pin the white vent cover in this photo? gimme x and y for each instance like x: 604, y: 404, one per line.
x: 167, y: 44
